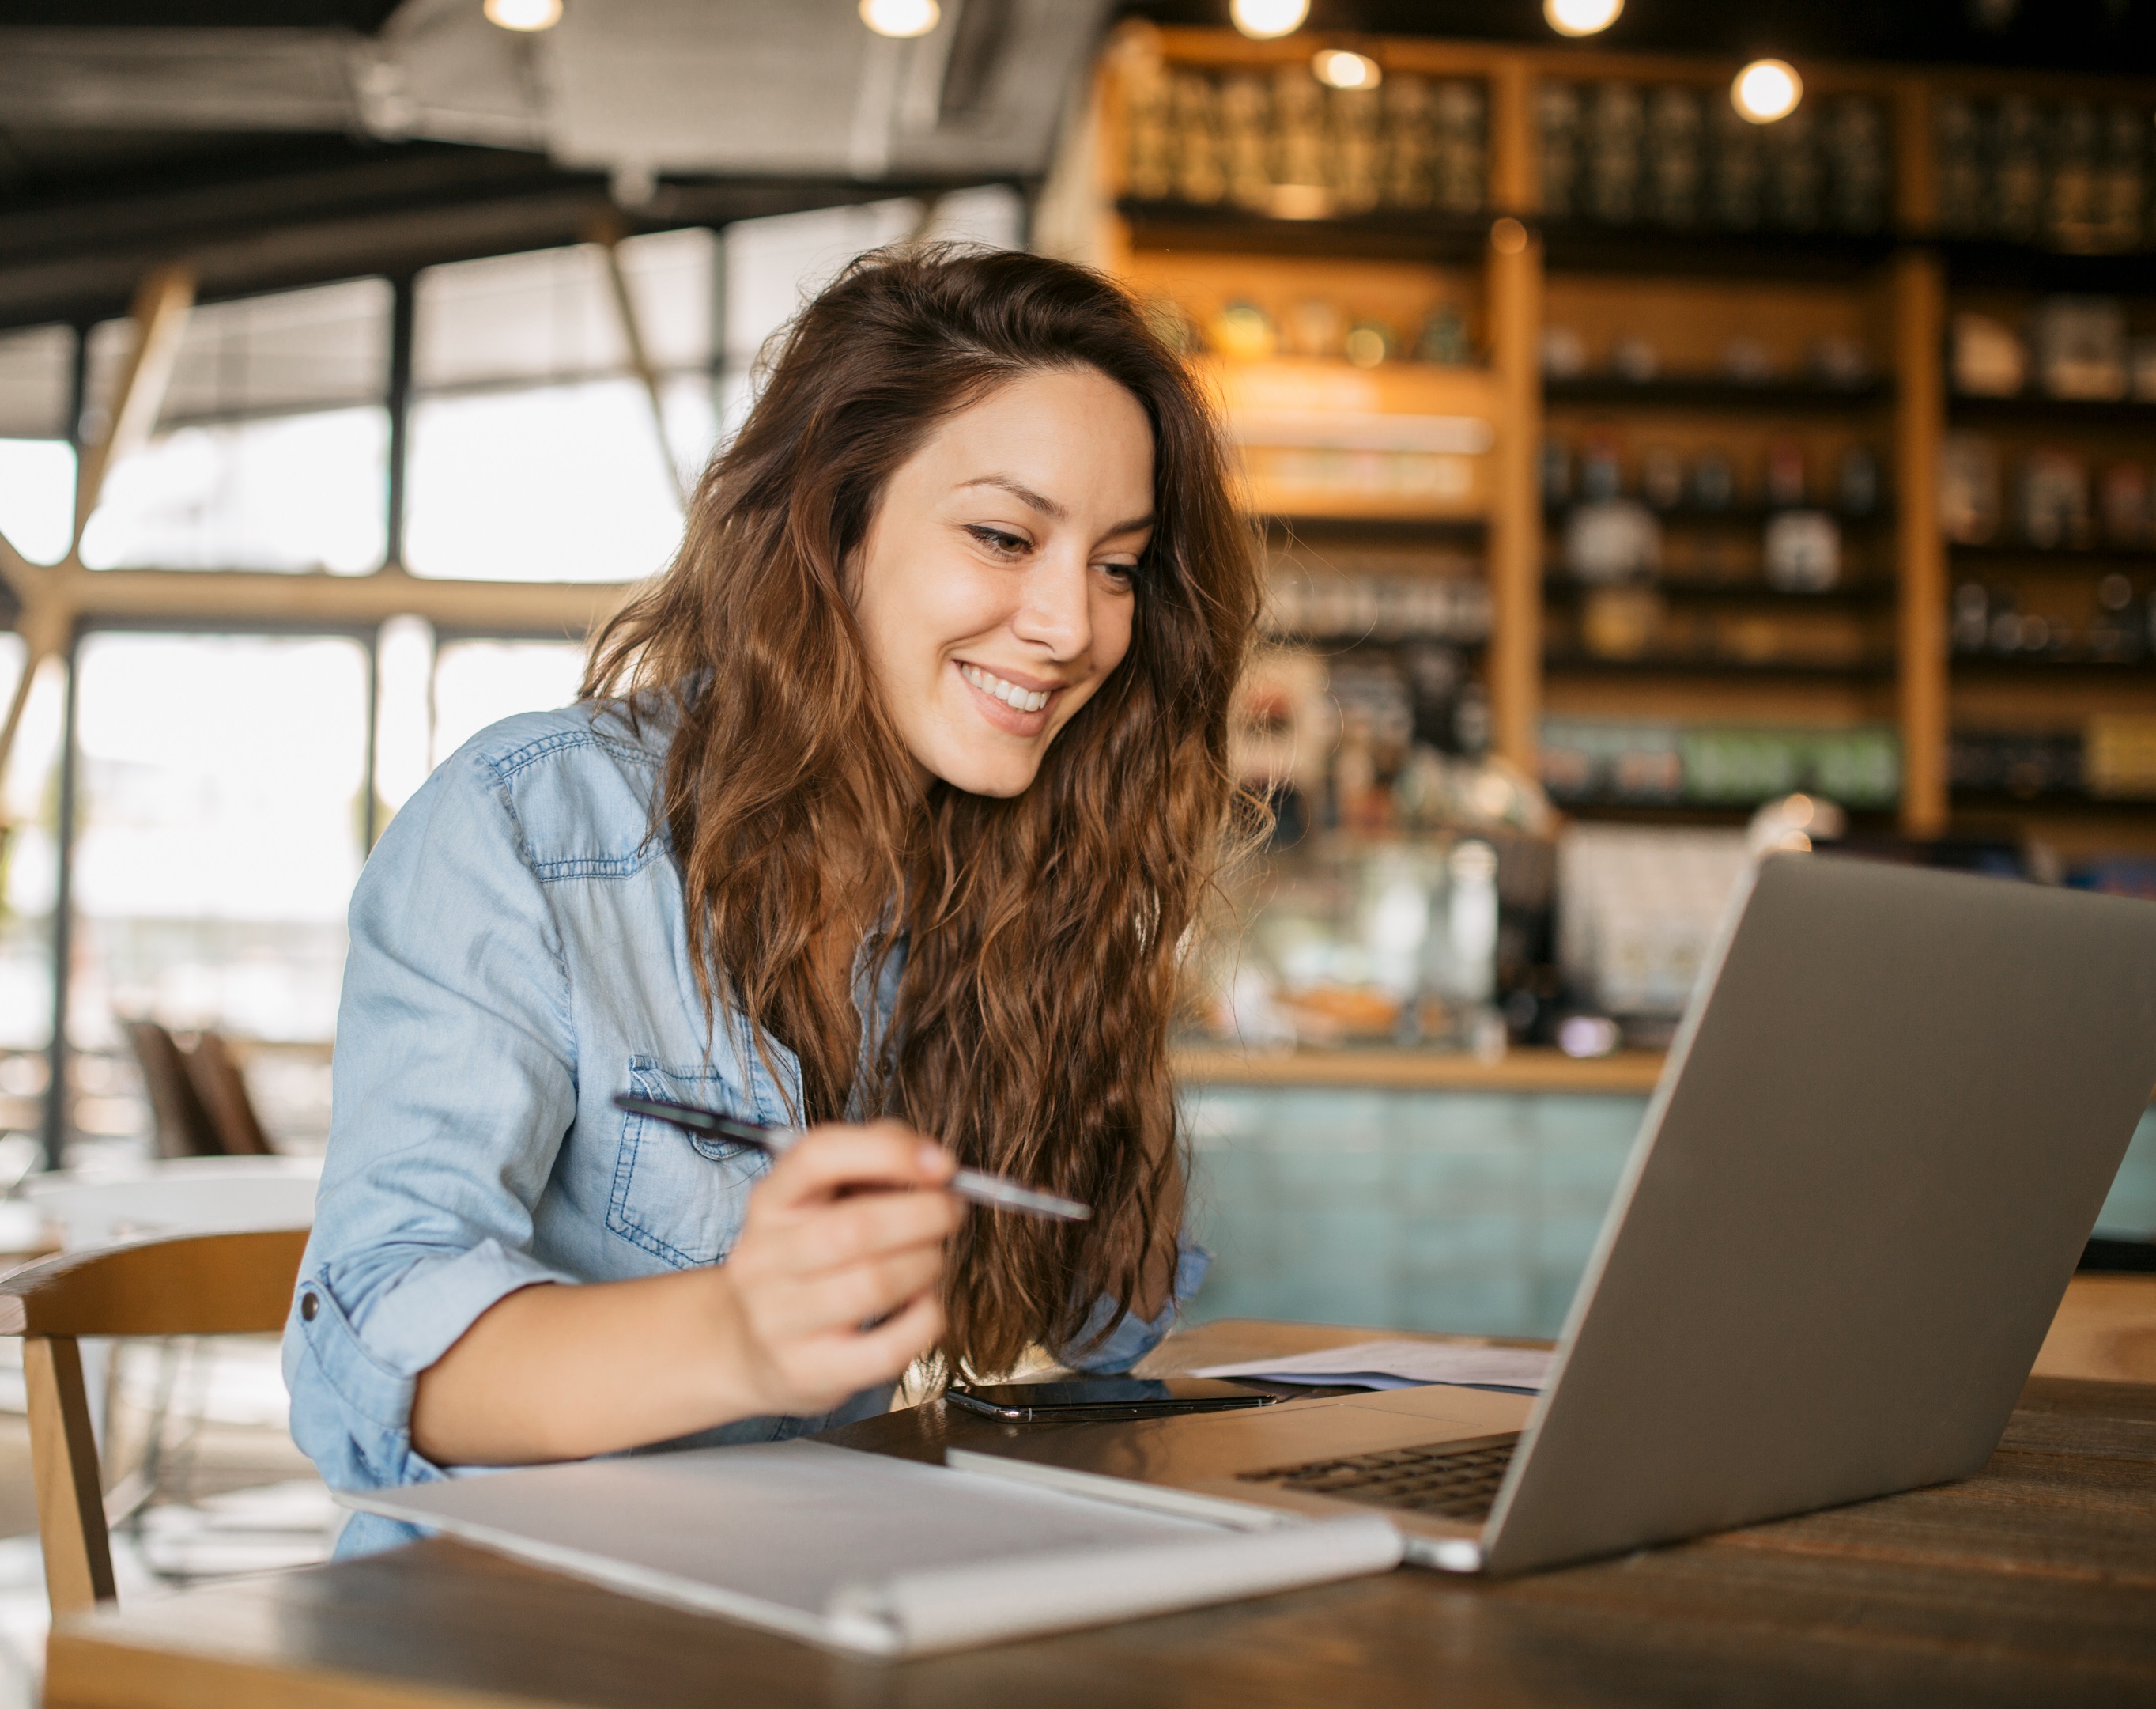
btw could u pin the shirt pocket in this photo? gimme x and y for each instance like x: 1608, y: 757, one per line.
x: 680, y: 1197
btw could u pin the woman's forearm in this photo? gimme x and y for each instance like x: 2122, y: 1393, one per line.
x: 562, y: 1372
x: 830, y: 1289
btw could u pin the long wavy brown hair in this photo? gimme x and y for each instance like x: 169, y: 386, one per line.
x: 1040, y: 934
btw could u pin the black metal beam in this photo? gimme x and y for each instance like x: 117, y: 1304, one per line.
x: 387, y: 211
x: 366, y: 16
x: 401, y: 321
x: 56, y: 1086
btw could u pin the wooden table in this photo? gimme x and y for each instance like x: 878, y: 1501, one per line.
x: 2033, y: 1582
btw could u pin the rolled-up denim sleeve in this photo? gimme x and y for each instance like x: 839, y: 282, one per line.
x: 1136, y: 1336
x: 454, y: 1084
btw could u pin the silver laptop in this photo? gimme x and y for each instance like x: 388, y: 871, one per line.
x: 1885, y: 1130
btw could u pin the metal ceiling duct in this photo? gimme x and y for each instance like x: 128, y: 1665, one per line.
x: 638, y: 87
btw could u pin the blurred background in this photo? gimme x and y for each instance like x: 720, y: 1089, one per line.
x: 1677, y: 431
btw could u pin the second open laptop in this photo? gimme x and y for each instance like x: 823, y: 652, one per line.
x: 1885, y: 1130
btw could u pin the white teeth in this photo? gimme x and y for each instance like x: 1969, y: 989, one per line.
x: 1012, y: 696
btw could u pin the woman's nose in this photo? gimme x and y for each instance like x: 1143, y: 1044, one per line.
x: 1055, y: 609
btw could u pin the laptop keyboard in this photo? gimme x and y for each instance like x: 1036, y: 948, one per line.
x: 1454, y: 1480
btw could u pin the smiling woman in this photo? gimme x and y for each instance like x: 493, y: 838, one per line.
x: 884, y: 813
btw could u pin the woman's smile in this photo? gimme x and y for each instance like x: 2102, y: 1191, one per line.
x: 1016, y: 703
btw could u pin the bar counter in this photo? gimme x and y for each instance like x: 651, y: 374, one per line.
x: 1419, y: 1190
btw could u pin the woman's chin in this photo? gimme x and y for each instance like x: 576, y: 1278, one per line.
x: 1000, y: 777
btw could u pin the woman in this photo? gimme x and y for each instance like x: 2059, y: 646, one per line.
x: 885, y: 811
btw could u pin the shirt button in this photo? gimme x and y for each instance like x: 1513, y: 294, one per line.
x: 309, y: 1305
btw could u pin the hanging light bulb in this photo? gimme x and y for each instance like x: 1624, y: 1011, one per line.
x: 1581, y: 18
x: 524, y: 15
x: 1767, y: 90
x: 1263, y: 19
x: 902, y: 18
x: 1343, y: 69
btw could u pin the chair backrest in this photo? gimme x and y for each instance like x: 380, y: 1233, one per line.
x: 196, y: 1285
x: 198, y: 1095
x: 183, y: 1125
x: 222, y: 1090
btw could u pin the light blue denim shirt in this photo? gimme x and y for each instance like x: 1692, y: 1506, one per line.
x: 519, y: 956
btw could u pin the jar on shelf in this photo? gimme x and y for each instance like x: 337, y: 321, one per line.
x: 1615, y: 123
x: 1675, y: 136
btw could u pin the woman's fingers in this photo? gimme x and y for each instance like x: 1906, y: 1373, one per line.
x: 837, y: 1368
x: 838, y: 1302
x: 827, y: 1160
x: 855, y: 1230
x: 849, y: 1298
x: 835, y: 1274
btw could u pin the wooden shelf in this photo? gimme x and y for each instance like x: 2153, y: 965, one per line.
x: 1342, y: 638
x: 1582, y: 246
x: 2061, y: 557
x: 1976, y: 263
x: 1749, y: 516
x: 2137, y: 415
x: 1587, y: 664
x: 1285, y: 526
x: 2066, y: 670
x: 1400, y: 441
x: 2080, y: 800
x: 1608, y: 811
x: 1406, y: 234
x: 1627, y: 1074
x: 1870, y: 591
x: 1272, y: 499
x: 1323, y: 394
x: 1678, y: 392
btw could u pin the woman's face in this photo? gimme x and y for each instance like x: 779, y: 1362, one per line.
x: 994, y: 588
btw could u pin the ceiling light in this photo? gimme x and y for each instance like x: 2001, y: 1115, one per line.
x: 1263, y: 19
x: 1767, y: 90
x: 901, y: 17
x: 524, y: 14
x: 1581, y: 18
x: 1345, y: 70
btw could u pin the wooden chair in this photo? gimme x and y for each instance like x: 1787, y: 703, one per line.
x: 222, y: 1090
x: 198, y: 1095
x: 198, y: 1284
x: 183, y: 1127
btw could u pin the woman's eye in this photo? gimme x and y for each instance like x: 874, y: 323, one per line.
x: 999, y: 541
x: 1123, y: 575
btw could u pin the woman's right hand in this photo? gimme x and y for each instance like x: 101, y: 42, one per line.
x: 833, y: 1286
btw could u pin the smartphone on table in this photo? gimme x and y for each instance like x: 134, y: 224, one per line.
x: 1094, y: 1399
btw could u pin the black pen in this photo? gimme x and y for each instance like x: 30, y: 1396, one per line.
x: 983, y: 1189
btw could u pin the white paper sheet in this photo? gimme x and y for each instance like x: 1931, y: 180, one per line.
x: 1400, y: 1365
x: 879, y: 1556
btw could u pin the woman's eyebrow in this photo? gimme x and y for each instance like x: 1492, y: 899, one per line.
x: 1048, y: 506
x: 1022, y: 492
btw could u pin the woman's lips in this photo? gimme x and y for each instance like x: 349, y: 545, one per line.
x: 1012, y: 720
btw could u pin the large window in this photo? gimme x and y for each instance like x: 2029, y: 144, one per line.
x: 37, y: 459
x: 271, y: 450
x: 479, y: 683
x: 535, y: 455
x: 435, y: 695
x: 219, y: 833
